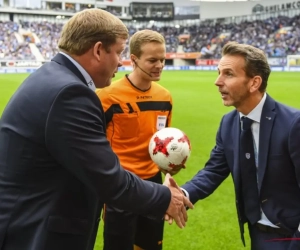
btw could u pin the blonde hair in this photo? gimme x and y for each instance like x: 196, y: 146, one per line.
x: 142, y: 37
x: 88, y: 27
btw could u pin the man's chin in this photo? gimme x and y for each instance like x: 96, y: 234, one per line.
x: 103, y: 85
x: 108, y: 83
x: 227, y: 103
x: 155, y: 78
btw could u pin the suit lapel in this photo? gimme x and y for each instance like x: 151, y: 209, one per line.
x: 236, y: 129
x: 266, y: 123
x: 62, y: 60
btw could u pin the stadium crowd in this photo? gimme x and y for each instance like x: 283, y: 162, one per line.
x: 48, y: 34
x: 277, y: 36
x: 10, y: 47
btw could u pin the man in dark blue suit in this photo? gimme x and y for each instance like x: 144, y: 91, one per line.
x: 56, y: 166
x: 266, y: 168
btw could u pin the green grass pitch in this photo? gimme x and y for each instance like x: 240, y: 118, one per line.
x: 197, y: 110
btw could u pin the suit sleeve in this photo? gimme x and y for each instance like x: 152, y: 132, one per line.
x: 294, y: 146
x: 75, y: 137
x: 216, y: 170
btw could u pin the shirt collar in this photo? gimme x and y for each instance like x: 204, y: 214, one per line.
x: 255, y: 114
x: 85, y: 74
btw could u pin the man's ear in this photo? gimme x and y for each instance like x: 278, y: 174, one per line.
x: 133, y: 58
x: 97, y: 50
x: 256, y: 83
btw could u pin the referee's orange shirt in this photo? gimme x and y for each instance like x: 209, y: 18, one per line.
x: 132, y: 117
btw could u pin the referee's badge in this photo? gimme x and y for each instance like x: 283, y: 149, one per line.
x: 248, y: 156
x: 161, y: 122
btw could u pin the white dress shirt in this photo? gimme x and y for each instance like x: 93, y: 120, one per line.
x: 255, y: 115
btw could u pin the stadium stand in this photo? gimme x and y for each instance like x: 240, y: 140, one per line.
x: 277, y: 36
x: 10, y: 46
x: 35, y: 36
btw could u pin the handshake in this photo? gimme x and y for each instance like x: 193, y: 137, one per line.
x: 178, y: 204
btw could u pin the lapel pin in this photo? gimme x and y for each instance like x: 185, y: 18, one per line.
x: 269, y: 118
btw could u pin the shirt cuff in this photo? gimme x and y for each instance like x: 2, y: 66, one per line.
x: 188, y: 196
x: 299, y: 228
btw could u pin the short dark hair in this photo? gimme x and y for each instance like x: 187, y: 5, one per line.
x: 256, y: 62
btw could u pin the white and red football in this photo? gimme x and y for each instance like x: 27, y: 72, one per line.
x: 169, y: 147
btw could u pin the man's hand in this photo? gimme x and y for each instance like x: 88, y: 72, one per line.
x: 176, y: 209
x: 173, y: 171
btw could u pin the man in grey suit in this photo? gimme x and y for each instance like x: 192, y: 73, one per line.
x: 56, y: 166
x: 266, y: 167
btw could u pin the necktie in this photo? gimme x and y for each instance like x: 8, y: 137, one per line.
x: 248, y: 172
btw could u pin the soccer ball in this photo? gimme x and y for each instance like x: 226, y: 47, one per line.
x: 169, y: 147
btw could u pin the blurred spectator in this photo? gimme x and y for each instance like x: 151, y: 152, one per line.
x: 10, y: 48
x: 277, y: 36
x: 48, y: 33
x: 206, y: 53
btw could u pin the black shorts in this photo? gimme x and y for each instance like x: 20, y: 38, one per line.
x: 124, y: 229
